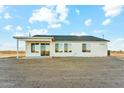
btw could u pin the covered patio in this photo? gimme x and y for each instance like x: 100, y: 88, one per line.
x: 38, y: 46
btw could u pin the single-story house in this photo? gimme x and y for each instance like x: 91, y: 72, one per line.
x: 63, y: 46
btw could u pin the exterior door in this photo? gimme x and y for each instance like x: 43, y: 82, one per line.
x: 45, y: 49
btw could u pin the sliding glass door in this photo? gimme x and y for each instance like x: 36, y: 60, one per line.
x: 45, y: 49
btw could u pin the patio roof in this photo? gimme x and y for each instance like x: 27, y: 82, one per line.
x: 22, y: 38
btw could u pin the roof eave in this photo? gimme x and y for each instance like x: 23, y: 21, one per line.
x: 81, y: 40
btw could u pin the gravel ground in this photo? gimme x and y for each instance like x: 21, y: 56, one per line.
x: 103, y: 72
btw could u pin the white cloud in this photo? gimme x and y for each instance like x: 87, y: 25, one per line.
x: 88, y: 22
x: 42, y: 15
x: 28, y: 27
x: 77, y: 11
x: 13, y: 28
x: 1, y: 8
x: 32, y: 32
x: 7, y: 46
x: 19, y: 34
x: 11, y: 45
x: 50, y: 14
x: 112, y: 10
x: 98, y: 31
x: 19, y: 28
x: 7, y: 16
x: 106, y: 22
x: 54, y: 25
x: 117, y: 44
x: 8, y: 27
x: 38, y: 32
x: 62, y: 13
x: 78, y: 33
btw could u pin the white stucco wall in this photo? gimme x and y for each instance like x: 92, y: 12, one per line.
x: 98, y: 49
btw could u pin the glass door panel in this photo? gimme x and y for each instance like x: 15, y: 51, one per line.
x: 45, y: 49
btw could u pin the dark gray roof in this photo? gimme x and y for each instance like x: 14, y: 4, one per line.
x: 72, y: 38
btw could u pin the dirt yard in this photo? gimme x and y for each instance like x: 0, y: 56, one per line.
x: 117, y: 53
x: 62, y: 72
x: 10, y: 54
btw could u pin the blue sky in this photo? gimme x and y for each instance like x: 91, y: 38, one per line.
x: 63, y: 20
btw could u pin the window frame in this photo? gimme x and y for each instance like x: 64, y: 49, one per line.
x: 86, y: 50
x: 60, y: 45
x: 69, y: 49
x: 33, y: 50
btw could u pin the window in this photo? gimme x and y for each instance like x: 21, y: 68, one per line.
x: 34, y: 47
x: 86, y: 48
x: 58, y: 47
x: 67, y: 47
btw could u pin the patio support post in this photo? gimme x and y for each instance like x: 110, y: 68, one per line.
x: 17, y: 51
